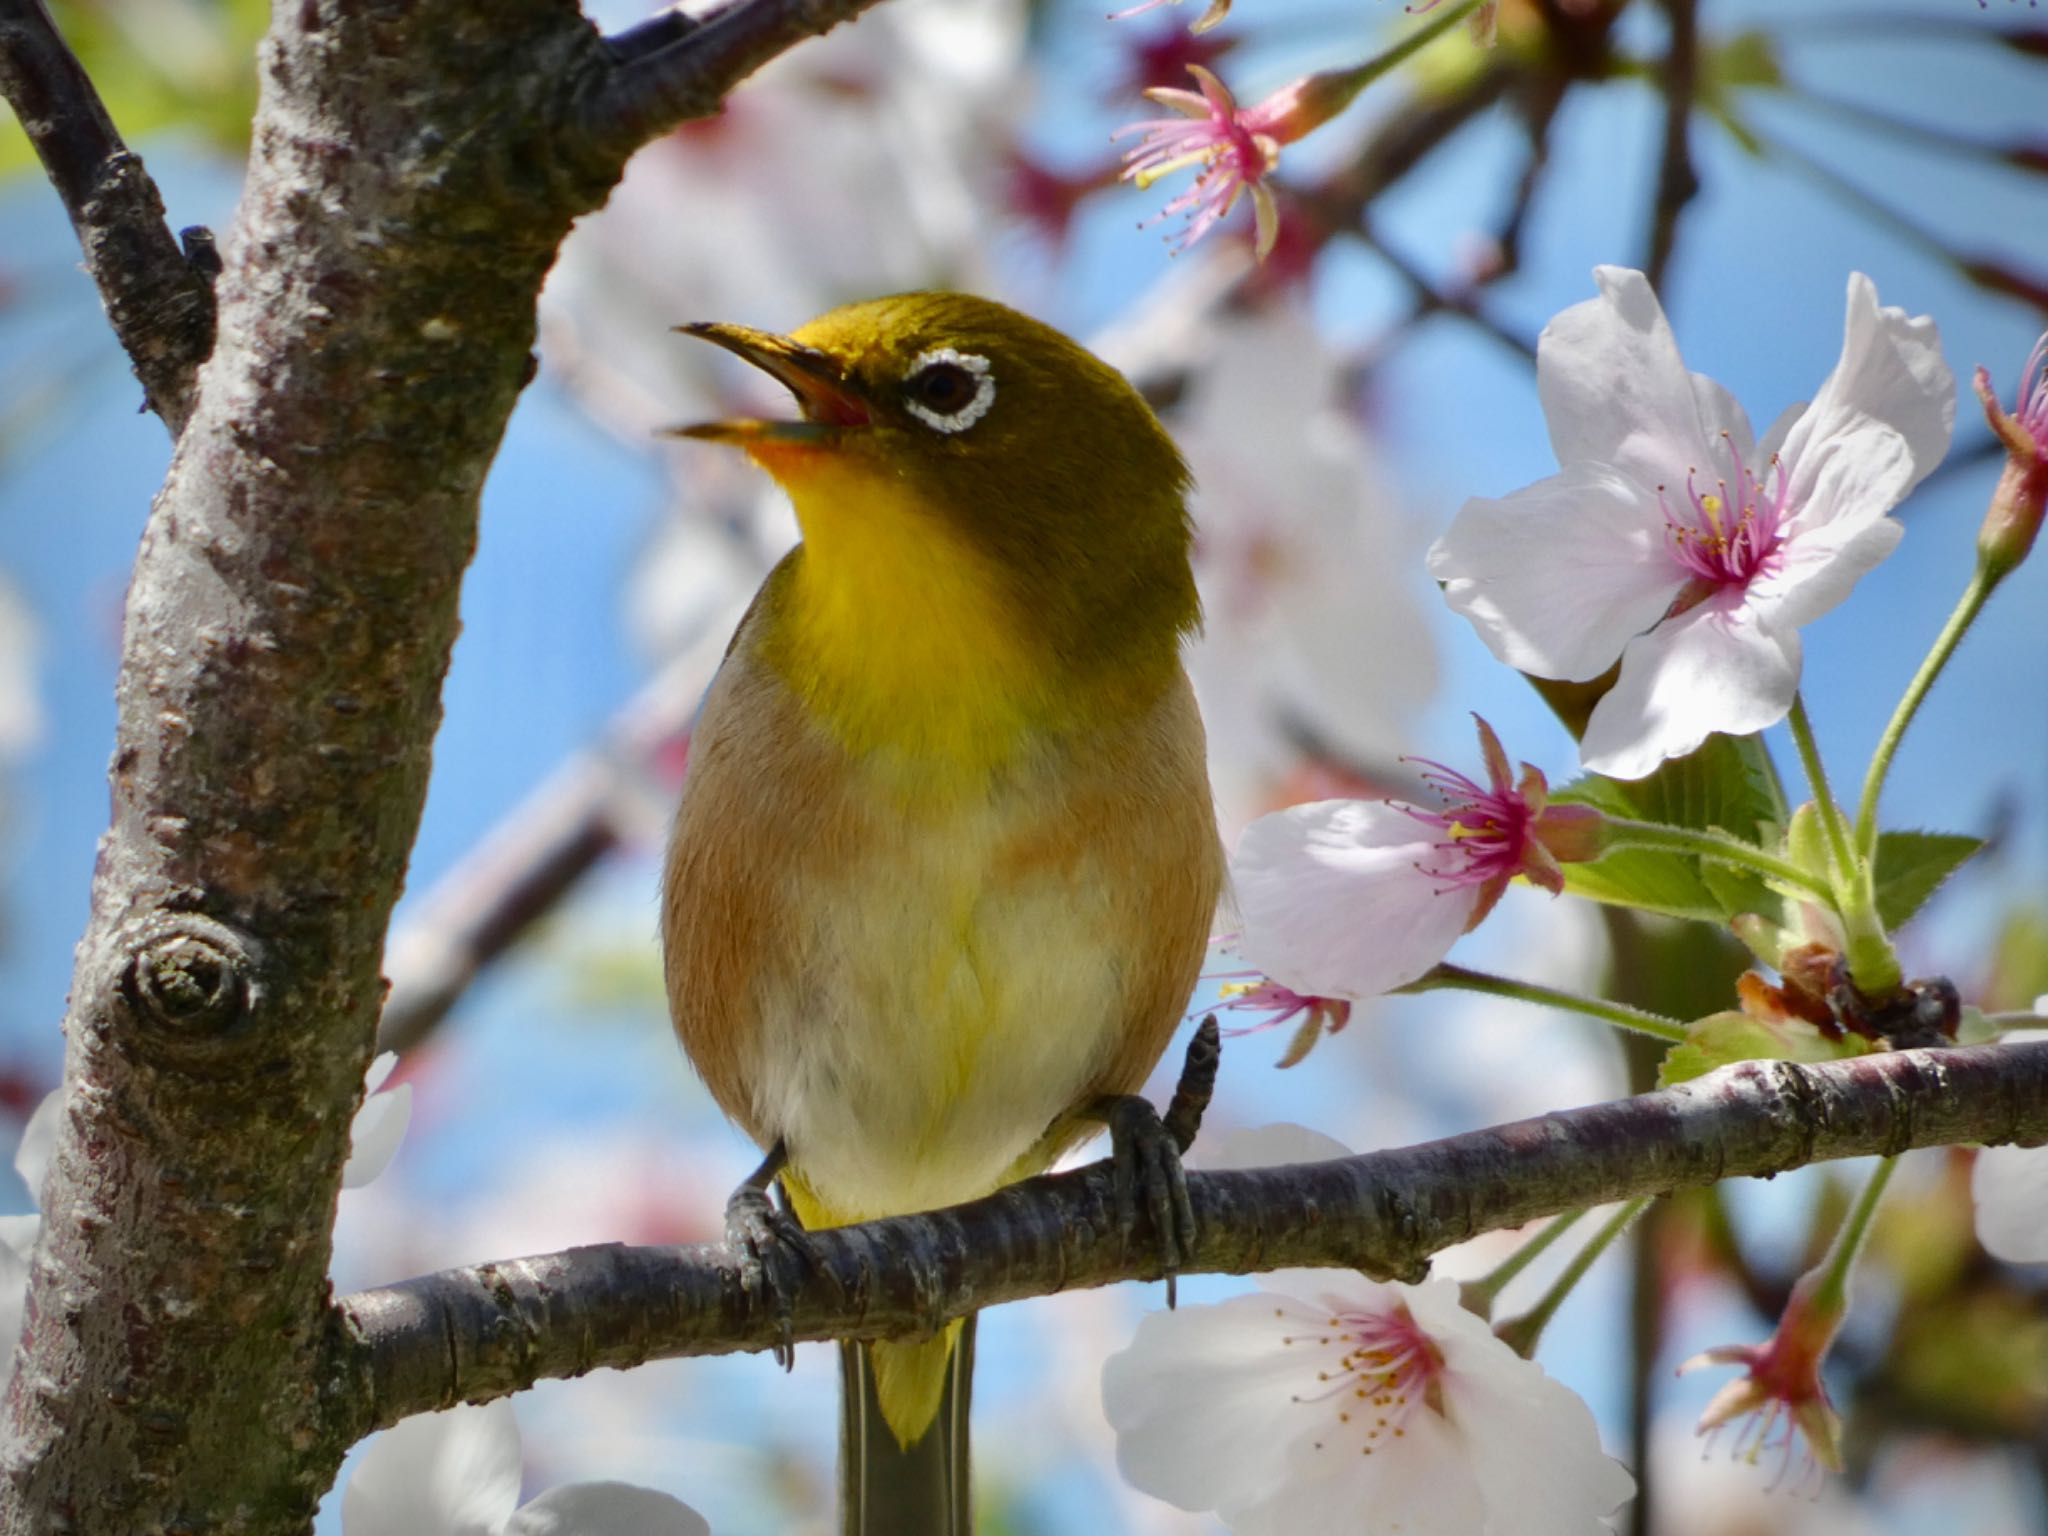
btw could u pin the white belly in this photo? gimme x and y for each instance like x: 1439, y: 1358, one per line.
x: 942, y: 1009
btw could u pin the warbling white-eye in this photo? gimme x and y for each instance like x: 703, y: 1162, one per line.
x: 946, y: 860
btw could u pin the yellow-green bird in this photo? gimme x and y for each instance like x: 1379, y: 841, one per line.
x: 946, y: 860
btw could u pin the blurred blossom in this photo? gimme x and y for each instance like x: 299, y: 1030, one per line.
x: 1312, y: 631
x: 2009, y: 1186
x: 1349, y: 898
x: 1266, y: 1004
x: 458, y: 1473
x: 379, y: 1126
x: 374, y: 1135
x: 1324, y: 1401
x: 1671, y: 541
x: 1232, y: 149
x: 21, y: 717
x: 1235, y: 147
x: 1780, y: 1398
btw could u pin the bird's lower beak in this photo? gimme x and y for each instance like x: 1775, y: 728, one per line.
x: 822, y: 393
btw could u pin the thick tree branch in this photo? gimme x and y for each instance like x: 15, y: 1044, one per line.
x: 478, y: 1333
x: 288, y: 626
x: 667, y: 72
x: 159, y: 303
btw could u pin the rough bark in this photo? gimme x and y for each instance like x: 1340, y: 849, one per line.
x: 288, y: 626
x: 481, y: 1332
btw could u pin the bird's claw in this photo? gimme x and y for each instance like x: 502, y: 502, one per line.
x: 1147, y: 1149
x: 775, y: 1253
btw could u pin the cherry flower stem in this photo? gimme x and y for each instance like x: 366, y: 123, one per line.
x: 1721, y: 847
x: 1458, y: 978
x: 1833, y: 1291
x: 1479, y: 1295
x: 1873, y: 965
x: 1966, y: 610
x: 1839, y: 847
x: 1521, y: 1334
x: 1358, y: 79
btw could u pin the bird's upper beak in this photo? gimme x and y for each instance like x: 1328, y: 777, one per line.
x: 828, y: 401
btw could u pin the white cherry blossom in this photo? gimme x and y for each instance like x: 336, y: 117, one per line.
x: 457, y: 1473
x: 1328, y: 1402
x: 1671, y: 540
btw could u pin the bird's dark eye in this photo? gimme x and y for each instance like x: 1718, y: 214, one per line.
x: 944, y: 387
x: 949, y: 391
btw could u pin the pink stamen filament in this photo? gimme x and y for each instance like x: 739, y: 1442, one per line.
x: 1730, y: 533
x: 1486, y: 831
x: 1389, y: 1369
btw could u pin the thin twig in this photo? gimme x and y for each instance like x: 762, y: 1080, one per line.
x: 159, y: 303
x: 1677, y: 181
x: 687, y: 76
x: 481, y: 1332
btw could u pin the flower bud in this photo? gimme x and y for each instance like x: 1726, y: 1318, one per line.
x: 2014, y: 517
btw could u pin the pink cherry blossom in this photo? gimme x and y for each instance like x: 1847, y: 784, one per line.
x: 1671, y: 541
x: 1235, y: 147
x: 1347, y: 899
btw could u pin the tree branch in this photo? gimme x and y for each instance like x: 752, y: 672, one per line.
x: 1677, y: 181
x: 481, y: 1332
x: 159, y: 303
x: 667, y: 72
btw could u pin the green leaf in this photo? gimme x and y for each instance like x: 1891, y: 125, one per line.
x: 1728, y: 785
x: 1723, y: 1038
x: 1912, y: 865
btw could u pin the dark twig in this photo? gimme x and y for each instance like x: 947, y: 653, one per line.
x: 159, y: 303
x: 1431, y: 300
x: 484, y: 1331
x: 1677, y: 181
x: 655, y: 88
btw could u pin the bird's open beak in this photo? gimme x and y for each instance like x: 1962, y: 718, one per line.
x: 828, y: 403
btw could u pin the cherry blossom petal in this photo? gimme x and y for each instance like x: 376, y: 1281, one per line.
x: 1714, y: 668
x: 454, y: 1473
x: 1335, y: 900
x: 1544, y: 1463
x: 1615, y: 390
x: 379, y: 1126
x: 606, y: 1509
x: 1891, y: 376
x: 38, y: 1140
x: 1815, y: 571
x: 2010, y: 1187
x: 1269, y: 1146
x: 1560, y: 576
x: 1202, y: 1401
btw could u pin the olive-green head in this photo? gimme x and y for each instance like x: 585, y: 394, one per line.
x: 951, y: 420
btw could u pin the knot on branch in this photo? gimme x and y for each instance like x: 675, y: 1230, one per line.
x: 190, y: 979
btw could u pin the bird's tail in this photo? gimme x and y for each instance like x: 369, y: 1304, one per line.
x: 903, y: 1435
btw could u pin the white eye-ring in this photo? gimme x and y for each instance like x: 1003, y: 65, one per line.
x: 949, y: 391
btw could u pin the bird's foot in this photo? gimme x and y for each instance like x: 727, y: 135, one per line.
x: 1147, y: 1148
x: 773, y: 1249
